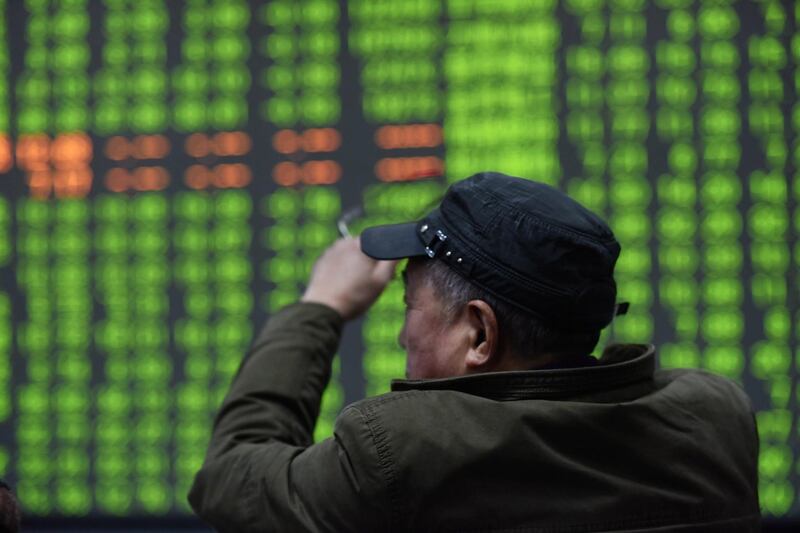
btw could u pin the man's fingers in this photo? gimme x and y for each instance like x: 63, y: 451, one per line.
x: 384, y: 270
x: 346, y: 279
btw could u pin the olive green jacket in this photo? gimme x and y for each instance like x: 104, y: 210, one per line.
x: 613, y: 447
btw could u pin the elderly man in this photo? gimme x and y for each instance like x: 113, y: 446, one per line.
x: 506, y: 422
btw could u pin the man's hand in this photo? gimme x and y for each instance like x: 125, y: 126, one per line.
x: 346, y: 280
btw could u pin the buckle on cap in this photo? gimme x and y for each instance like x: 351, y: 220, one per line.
x: 435, y: 244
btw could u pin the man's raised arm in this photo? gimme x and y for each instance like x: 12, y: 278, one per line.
x: 261, y: 470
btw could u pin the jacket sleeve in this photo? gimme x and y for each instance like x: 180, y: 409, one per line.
x: 261, y: 471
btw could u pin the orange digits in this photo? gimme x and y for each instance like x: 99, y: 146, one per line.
x: 70, y: 154
x: 197, y: 177
x: 223, y: 175
x: 408, y: 168
x: 150, y: 178
x: 311, y: 140
x: 71, y: 150
x: 72, y: 183
x: 286, y: 141
x: 150, y: 147
x: 231, y: 175
x: 231, y: 143
x: 321, y: 140
x: 33, y: 152
x: 117, y: 148
x: 6, y: 158
x: 40, y: 183
x: 409, y: 136
x: 287, y: 174
x: 117, y: 180
x: 321, y: 172
x: 198, y: 145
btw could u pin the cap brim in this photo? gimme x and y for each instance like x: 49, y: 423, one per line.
x: 394, y: 241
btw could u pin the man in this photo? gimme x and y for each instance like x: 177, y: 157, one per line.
x: 506, y: 423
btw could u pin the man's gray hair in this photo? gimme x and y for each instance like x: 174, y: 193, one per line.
x: 520, y: 333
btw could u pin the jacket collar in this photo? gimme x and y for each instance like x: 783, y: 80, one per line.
x: 620, y: 365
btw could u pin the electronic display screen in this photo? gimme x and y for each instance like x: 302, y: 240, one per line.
x: 170, y: 170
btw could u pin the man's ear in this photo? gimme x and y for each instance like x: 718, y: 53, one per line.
x: 484, y: 336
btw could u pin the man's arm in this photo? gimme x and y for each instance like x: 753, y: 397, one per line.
x: 261, y: 471
x: 276, y: 392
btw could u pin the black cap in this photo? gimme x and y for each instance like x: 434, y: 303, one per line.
x: 524, y: 242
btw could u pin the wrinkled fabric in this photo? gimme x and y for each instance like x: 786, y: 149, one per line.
x: 616, y: 446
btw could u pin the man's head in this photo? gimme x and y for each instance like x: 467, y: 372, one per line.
x: 505, y: 274
x: 453, y: 328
